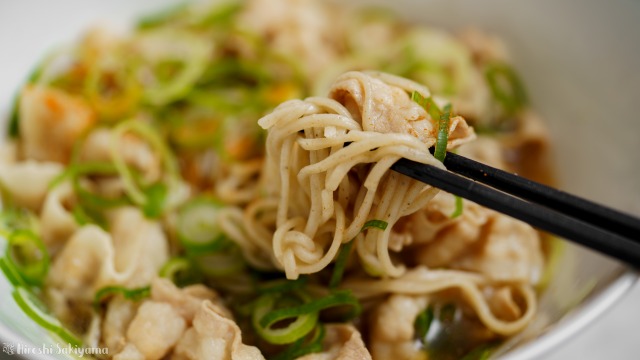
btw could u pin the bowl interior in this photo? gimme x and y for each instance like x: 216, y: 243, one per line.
x: 579, y: 68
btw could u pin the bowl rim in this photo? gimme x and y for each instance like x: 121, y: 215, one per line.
x: 578, y: 319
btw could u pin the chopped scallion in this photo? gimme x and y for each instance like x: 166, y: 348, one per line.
x: 506, y: 87
x: 337, y: 298
x: 282, y: 285
x: 111, y: 89
x: 443, y: 134
x: 423, y: 323
x: 28, y: 254
x: 180, y: 271
x: 302, y: 346
x: 301, y: 326
x: 341, y: 263
x: 428, y: 104
x: 482, y: 352
x: 152, y: 198
x: 156, y: 195
x: 378, y: 224
x: 197, y: 226
x: 36, y: 310
x: 136, y: 294
x: 220, y: 263
x: 174, y: 61
x: 13, y: 218
x: 78, y: 169
x: 459, y: 207
x: 81, y: 217
x: 11, y: 273
x: 13, y: 129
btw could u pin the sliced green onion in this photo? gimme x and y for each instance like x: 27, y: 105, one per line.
x: 29, y: 255
x: 337, y: 298
x: 147, y: 200
x: 506, y: 87
x: 301, y: 326
x: 482, y: 352
x: 6, y: 198
x: 180, y: 271
x: 556, y: 248
x: 13, y: 129
x: 87, y: 198
x: 423, y: 323
x: 220, y: 263
x: 443, y: 118
x: 91, y: 200
x: 111, y: 89
x: 301, y: 347
x: 12, y: 219
x: 11, y: 273
x: 81, y: 217
x: 282, y: 285
x: 197, y: 129
x: 459, y: 207
x: 225, y: 71
x: 378, y: 224
x: 341, y: 263
x: 443, y: 134
x: 36, y: 310
x: 90, y: 205
x: 198, y: 225
x: 428, y: 104
x: 136, y: 294
x: 156, y: 195
x: 175, y: 60
x: 78, y: 169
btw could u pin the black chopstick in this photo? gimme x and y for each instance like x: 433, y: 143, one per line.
x: 560, y: 201
x: 593, y: 234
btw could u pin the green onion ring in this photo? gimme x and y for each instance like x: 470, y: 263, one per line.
x: 306, y: 315
x: 35, y: 309
x: 136, y: 294
x: 512, y: 98
x: 28, y: 254
x: 11, y: 273
x: 197, y: 227
x: 180, y: 271
x: 302, y: 325
x: 301, y: 347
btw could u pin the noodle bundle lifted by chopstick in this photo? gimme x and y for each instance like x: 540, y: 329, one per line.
x: 328, y: 163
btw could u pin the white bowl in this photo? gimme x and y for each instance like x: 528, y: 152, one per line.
x: 578, y: 60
